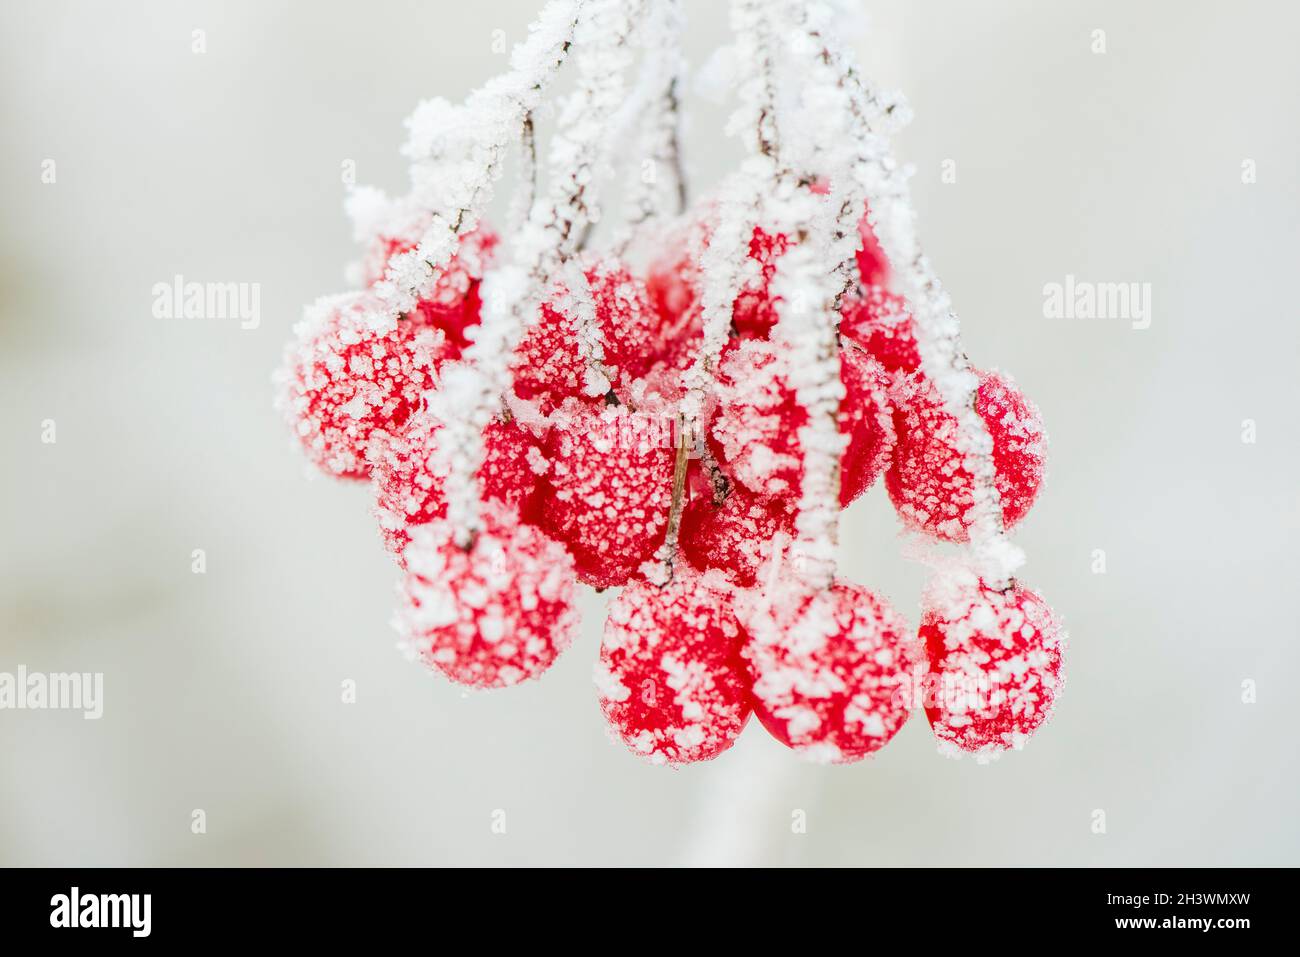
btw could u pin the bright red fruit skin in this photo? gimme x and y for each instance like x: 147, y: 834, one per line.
x: 408, y: 480
x: 675, y: 281
x: 881, y: 323
x: 736, y: 536
x: 547, y: 365
x: 673, y: 686
x: 995, y: 662
x: 873, y: 265
x: 755, y: 433
x: 344, y: 381
x: 831, y: 675
x: 453, y: 305
x: 491, y: 616
x: 928, y: 482
x: 608, y: 490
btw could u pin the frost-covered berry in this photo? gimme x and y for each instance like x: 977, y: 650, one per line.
x: 494, y: 615
x: 673, y: 283
x: 830, y: 670
x: 735, y: 536
x: 608, y: 490
x: 873, y: 265
x: 928, y: 483
x: 672, y: 683
x: 675, y: 280
x: 756, y: 430
x: 995, y: 664
x: 754, y: 312
x: 409, y: 479
x: 344, y: 380
x: 881, y: 323
x: 617, y: 325
x: 866, y: 417
x: 453, y: 305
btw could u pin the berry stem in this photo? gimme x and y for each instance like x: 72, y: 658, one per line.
x: 668, y: 551
x: 656, y: 109
x: 526, y: 193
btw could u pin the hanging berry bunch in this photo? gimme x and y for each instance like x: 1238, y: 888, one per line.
x: 680, y: 408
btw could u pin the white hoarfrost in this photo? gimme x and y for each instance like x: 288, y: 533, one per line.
x: 657, y: 180
x: 457, y: 154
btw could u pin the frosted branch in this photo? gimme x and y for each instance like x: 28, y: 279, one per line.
x: 658, y: 178
x: 457, y: 155
x: 512, y: 295
x: 877, y: 173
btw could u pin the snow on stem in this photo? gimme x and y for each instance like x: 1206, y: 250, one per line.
x: 722, y: 264
x: 804, y: 291
x: 658, y: 181
x: 525, y: 196
x: 480, y: 134
x: 938, y: 329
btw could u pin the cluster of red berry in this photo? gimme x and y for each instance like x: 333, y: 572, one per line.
x: 578, y: 485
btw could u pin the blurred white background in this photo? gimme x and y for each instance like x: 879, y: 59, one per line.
x: 222, y: 691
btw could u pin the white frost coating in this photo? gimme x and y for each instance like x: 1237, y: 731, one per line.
x: 726, y: 255
x: 370, y: 209
x: 512, y: 294
x: 722, y: 268
x: 658, y: 182
x: 937, y: 327
x: 457, y: 155
x: 806, y: 293
x: 574, y: 301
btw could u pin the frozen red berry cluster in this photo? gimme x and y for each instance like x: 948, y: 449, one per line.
x: 578, y: 482
x: 680, y: 407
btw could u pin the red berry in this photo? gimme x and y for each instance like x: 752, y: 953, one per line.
x: 454, y: 304
x: 995, y: 665
x: 756, y: 431
x: 609, y: 489
x: 830, y: 671
x: 675, y: 282
x: 409, y: 481
x: 873, y: 265
x: 754, y: 312
x: 880, y: 322
x: 343, y: 381
x: 866, y: 417
x: 672, y: 683
x: 494, y: 615
x: 735, y: 536
x: 548, y: 367
x: 929, y: 484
